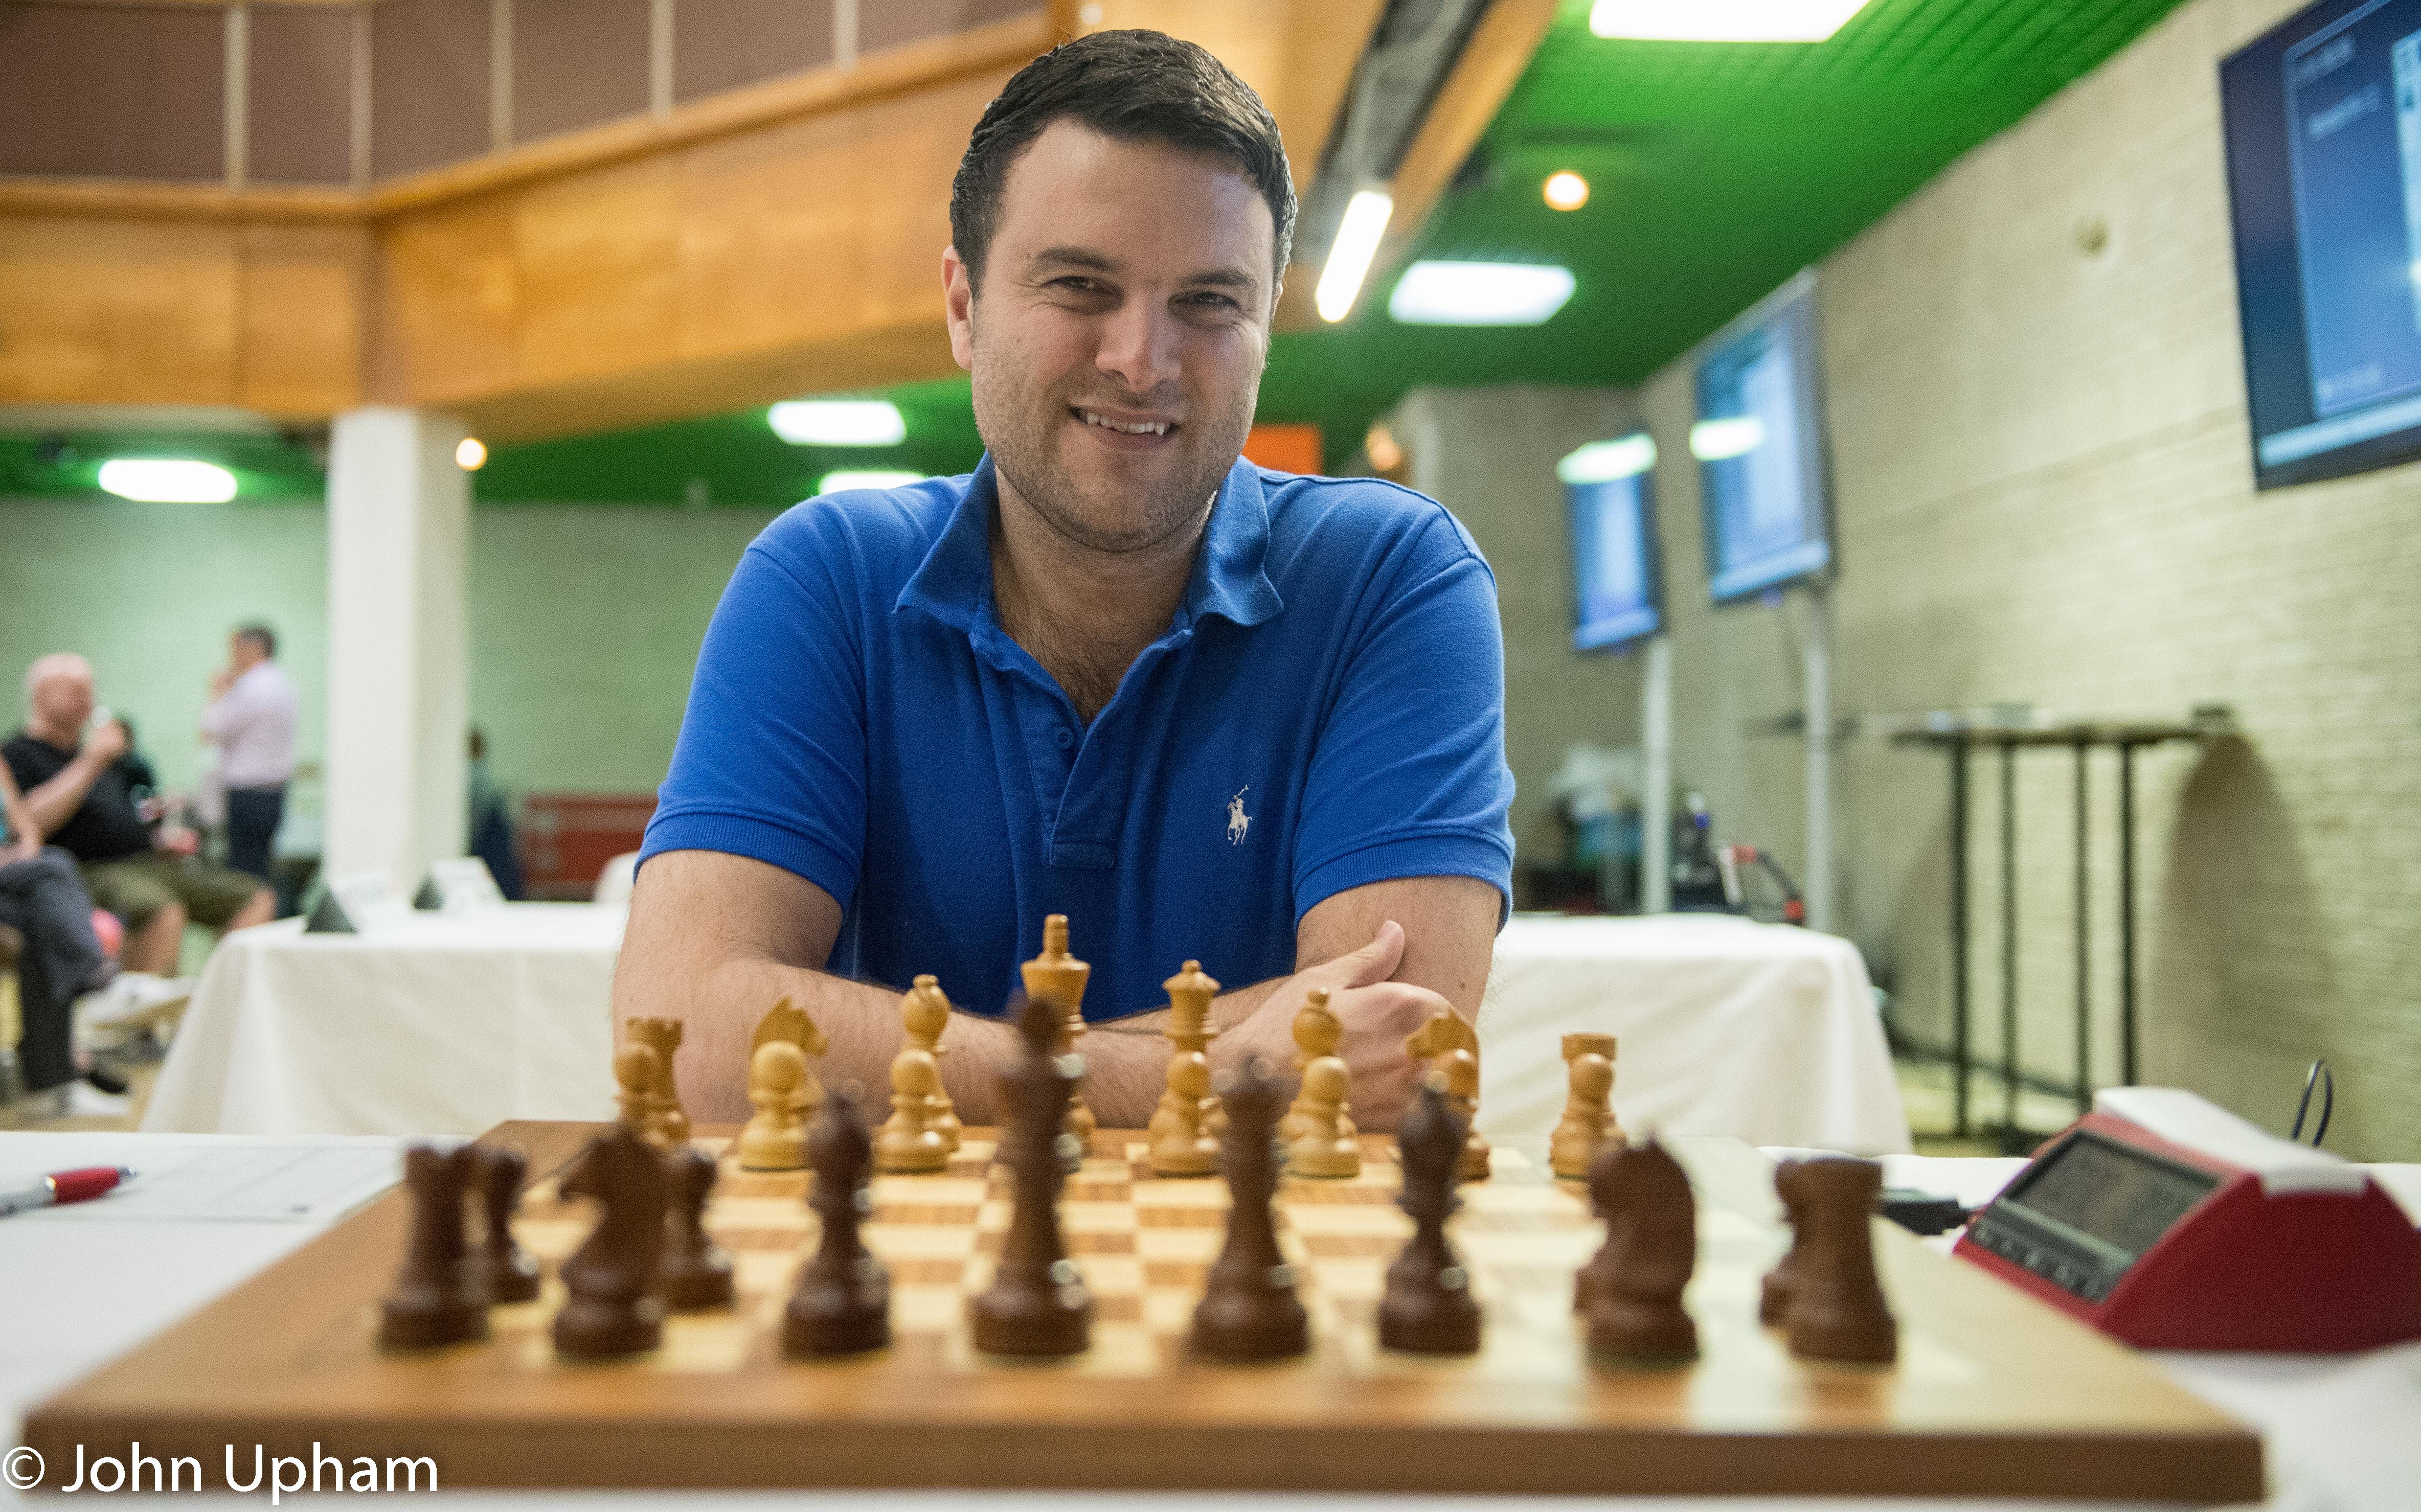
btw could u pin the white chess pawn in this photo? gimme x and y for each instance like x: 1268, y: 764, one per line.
x: 776, y: 1138
x: 908, y: 1140
x: 1181, y: 1145
x: 1328, y: 1145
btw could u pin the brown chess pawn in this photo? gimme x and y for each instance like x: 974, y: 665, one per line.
x: 698, y: 1272
x: 670, y: 1125
x: 1179, y: 1146
x: 909, y: 1142
x: 1588, y: 1125
x: 507, y: 1270
x: 1447, y: 1042
x: 925, y: 1013
x: 1835, y: 1307
x: 438, y: 1298
x: 1190, y: 995
x: 1428, y: 1308
x: 776, y: 1138
x: 1058, y: 979
x: 1773, y: 1296
x: 635, y: 1075
x: 1249, y: 1309
x: 1037, y: 1304
x: 1652, y: 1247
x: 842, y: 1303
x: 612, y: 1307
x: 1324, y: 1142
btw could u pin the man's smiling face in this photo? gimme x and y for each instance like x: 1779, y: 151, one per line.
x: 1117, y: 337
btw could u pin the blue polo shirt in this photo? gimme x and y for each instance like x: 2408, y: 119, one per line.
x: 1325, y: 711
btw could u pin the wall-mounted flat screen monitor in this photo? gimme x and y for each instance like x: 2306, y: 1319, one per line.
x: 1617, y: 582
x: 1765, y: 484
x: 2324, y: 121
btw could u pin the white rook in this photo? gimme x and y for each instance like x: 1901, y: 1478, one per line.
x: 399, y: 674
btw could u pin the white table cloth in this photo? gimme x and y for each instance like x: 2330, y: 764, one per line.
x: 446, y: 1024
x: 2337, y: 1431
x: 1762, y: 1031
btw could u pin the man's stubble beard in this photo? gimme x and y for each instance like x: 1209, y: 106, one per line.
x: 1021, y: 436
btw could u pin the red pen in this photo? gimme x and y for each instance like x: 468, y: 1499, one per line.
x: 80, y: 1185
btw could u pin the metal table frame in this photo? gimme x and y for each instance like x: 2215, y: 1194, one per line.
x: 1960, y: 740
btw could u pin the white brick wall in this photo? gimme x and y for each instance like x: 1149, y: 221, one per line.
x: 2045, y: 494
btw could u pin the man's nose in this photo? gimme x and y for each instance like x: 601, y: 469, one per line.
x: 1139, y: 345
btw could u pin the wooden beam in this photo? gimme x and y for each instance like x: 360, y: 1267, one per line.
x: 1490, y: 64
x: 778, y: 239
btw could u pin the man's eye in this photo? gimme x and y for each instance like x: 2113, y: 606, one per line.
x: 1075, y: 285
x: 1211, y: 302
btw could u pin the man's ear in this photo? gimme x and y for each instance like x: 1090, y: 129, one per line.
x: 959, y: 304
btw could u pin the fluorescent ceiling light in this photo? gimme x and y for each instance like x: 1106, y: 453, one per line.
x: 1722, y: 21
x: 865, y: 477
x: 1716, y: 441
x: 838, y: 423
x: 1349, y: 254
x: 156, y: 481
x: 1605, y: 461
x: 1479, y: 293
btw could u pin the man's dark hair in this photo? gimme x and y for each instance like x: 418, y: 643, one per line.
x: 260, y: 635
x: 1132, y: 85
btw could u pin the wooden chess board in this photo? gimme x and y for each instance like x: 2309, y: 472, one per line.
x: 1993, y: 1394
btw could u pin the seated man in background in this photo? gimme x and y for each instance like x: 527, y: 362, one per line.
x: 78, y: 796
x: 60, y: 960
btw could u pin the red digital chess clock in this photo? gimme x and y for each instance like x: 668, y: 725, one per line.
x: 2174, y: 1224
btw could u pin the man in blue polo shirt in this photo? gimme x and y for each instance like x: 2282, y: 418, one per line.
x: 1205, y: 710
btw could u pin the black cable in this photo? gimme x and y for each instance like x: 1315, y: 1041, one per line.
x: 2320, y: 1076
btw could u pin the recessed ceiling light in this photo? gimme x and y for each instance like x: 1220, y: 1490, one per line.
x: 1349, y: 254
x: 1722, y: 21
x: 1566, y: 190
x: 472, y: 455
x: 1605, y: 461
x: 1479, y: 293
x: 161, y: 481
x: 1380, y: 444
x: 1716, y: 441
x: 838, y: 422
x: 865, y: 477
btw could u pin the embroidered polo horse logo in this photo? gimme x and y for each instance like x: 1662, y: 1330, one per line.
x: 1237, y: 821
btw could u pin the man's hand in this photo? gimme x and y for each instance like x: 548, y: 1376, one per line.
x: 23, y: 848
x: 105, y: 744
x: 1377, y: 1015
x: 175, y: 840
x: 221, y: 681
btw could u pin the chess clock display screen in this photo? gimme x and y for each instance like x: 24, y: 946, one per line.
x: 2323, y: 129
x: 2090, y: 1212
x: 1759, y: 441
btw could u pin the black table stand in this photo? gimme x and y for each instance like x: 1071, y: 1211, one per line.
x: 1959, y: 738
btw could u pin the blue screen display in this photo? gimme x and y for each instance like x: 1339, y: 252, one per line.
x: 1618, y: 583
x: 1760, y: 445
x: 2323, y: 120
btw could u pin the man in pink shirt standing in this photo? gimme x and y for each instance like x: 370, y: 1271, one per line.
x: 250, y: 721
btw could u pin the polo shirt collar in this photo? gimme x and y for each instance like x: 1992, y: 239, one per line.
x: 1230, y: 578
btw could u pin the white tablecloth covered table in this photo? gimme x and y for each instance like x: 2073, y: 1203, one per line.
x: 449, y: 1024
x: 445, y: 1024
x: 1762, y: 1031
x: 2336, y: 1430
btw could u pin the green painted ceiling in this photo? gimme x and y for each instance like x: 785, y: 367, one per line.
x: 1716, y: 171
